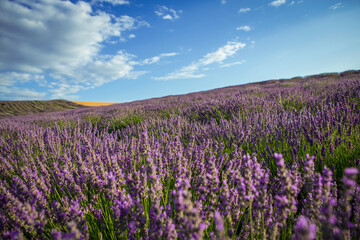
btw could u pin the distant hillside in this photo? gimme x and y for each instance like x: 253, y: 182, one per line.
x: 255, y: 88
x: 94, y: 104
x: 14, y: 108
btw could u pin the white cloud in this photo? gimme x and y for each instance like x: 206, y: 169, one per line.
x: 336, y: 6
x: 223, y: 1
x: 63, y: 39
x: 218, y: 56
x: 168, y: 17
x: 169, y: 54
x: 157, y: 58
x: 54, y: 36
x: 102, y: 70
x: 277, y: 3
x: 180, y: 75
x: 222, y: 53
x: 65, y: 91
x: 107, y: 69
x: 8, y: 90
x: 132, y: 36
x: 245, y: 28
x: 252, y: 44
x: 244, y: 10
x: 232, y: 64
x: 11, y: 78
x: 113, y: 2
x: 16, y: 93
x: 167, y: 13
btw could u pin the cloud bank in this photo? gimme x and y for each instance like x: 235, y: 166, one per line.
x: 61, y: 41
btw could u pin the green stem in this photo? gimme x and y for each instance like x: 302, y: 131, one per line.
x: 251, y: 221
x: 263, y: 231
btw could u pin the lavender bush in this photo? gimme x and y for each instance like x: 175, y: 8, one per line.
x: 276, y: 160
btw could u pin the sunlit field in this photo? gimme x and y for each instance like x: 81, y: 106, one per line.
x: 93, y: 104
x: 271, y: 160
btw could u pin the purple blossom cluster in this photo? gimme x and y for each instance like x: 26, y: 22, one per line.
x: 267, y: 161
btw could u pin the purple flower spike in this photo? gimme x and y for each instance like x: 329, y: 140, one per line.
x: 285, y: 198
x: 356, y: 211
x: 188, y: 217
x: 219, y: 226
x: 304, y: 229
x: 278, y: 156
x: 349, y: 186
x: 351, y: 172
x: 279, y: 159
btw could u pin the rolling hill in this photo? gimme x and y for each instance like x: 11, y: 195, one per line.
x: 15, y: 108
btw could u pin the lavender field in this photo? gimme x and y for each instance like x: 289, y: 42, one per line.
x: 271, y: 160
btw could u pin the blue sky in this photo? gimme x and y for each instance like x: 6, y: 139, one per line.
x: 125, y: 50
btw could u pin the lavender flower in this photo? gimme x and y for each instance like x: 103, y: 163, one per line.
x: 285, y: 199
x: 349, y: 186
x: 219, y: 226
x: 327, y: 217
x: 356, y: 210
x: 304, y: 230
x: 188, y: 219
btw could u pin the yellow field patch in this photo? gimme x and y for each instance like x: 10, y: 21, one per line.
x: 93, y: 104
